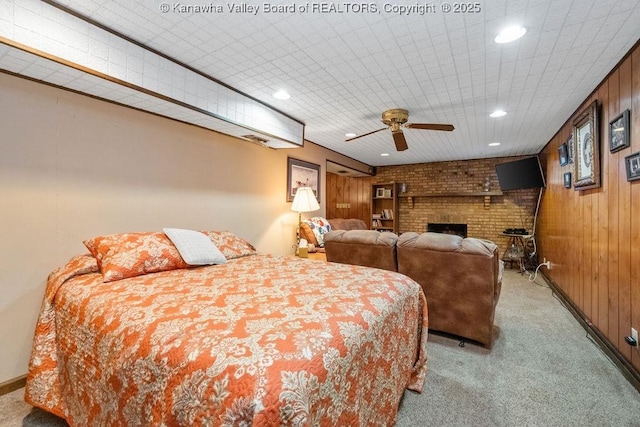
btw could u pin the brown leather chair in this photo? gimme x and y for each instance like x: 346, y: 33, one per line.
x: 362, y: 247
x: 461, y: 279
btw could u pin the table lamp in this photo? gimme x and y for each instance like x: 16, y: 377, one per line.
x: 304, y: 201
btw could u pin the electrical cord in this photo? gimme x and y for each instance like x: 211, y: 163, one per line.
x: 534, y: 275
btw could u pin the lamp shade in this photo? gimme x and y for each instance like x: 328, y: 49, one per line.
x: 305, y: 200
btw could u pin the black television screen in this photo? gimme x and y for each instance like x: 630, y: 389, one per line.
x: 519, y: 174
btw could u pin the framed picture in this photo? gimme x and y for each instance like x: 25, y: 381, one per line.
x: 586, y: 146
x: 632, y: 163
x: 619, y: 131
x: 562, y: 155
x: 302, y: 174
x: 570, y: 148
x: 567, y: 179
x: 379, y: 192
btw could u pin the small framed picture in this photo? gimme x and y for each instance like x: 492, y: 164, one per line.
x: 632, y: 164
x: 619, y: 131
x: 570, y: 148
x: 380, y: 192
x: 567, y: 179
x: 563, y: 155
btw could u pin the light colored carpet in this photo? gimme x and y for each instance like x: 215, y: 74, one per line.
x: 542, y: 371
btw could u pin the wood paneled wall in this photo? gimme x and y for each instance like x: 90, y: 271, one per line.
x: 592, y: 237
x: 348, y: 197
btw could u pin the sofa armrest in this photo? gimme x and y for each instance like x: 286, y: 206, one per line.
x: 362, y: 247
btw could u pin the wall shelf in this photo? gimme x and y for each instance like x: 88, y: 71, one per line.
x: 486, y: 194
x: 384, y: 207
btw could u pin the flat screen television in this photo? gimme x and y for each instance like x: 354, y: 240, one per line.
x: 520, y: 174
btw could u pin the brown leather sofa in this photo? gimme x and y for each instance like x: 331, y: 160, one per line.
x: 461, y: 278
x: 362, y: 247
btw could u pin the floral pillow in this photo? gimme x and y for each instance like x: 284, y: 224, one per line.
x: 320, y: 227
x: 132, y: 254
x: 231, y: 245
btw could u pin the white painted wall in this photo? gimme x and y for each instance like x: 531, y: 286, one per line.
x: 73, y: 167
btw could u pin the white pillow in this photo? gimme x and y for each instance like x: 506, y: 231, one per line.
x: 195, y: 247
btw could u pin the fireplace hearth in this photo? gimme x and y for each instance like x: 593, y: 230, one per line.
x: 447, y: 228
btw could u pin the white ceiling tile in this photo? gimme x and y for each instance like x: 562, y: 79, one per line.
x: 343, y: 70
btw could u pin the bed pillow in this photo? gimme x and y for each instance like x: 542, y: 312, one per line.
x: 132, y: 254
x: 195, y: 247
x: 231, y: 245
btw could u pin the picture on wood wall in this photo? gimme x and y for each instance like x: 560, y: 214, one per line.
x: 619, y: 130
x: 302, y: 174
x: 632, y: 164
x: 569, y: 144
x: 567, y: 179
x: 562, y: 155
x: 586, y: 142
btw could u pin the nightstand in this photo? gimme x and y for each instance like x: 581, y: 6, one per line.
x: 318, y: 256
x: 315, y: 256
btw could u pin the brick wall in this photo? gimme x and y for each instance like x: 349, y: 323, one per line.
x: 513, y: 209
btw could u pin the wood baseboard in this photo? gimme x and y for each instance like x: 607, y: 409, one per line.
x: 12, y: 385
x: 628, y: 371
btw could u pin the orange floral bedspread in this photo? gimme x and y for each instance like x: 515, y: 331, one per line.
x: 261, y: 340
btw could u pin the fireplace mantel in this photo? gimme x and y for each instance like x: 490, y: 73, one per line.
x: 486, y: 194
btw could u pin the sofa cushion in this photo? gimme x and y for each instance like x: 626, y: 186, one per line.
x: 448, y: 243
x: 314, y: 229
x: 368, y: 237
x: 307, y: 234
x: 348, y: 224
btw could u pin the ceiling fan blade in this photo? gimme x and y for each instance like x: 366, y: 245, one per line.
x: 429, y: 126
x: 401, y: 142
x: 364, y: 134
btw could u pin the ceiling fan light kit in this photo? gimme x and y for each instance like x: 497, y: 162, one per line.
x: 396, y: 119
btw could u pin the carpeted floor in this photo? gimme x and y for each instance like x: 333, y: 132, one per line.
x: 542, y: 371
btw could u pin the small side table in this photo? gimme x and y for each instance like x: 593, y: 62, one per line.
x: 315, y: 256
x: 515, y: 251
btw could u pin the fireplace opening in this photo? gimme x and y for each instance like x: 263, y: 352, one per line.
x: 448, y: 228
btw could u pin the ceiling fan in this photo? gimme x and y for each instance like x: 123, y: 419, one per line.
x: 396, y: 119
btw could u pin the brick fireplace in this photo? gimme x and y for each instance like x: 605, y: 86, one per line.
x: 451, y: 193
x: 448, y: 228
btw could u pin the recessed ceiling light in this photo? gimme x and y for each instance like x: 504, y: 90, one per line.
x: 350, y: 135
x: 510, y: 34
x: 494, y: 144
x: 384, y: 154
x: 498, y: 113
x: 281, y: 94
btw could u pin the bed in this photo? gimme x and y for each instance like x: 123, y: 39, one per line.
x: 256, y: 340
